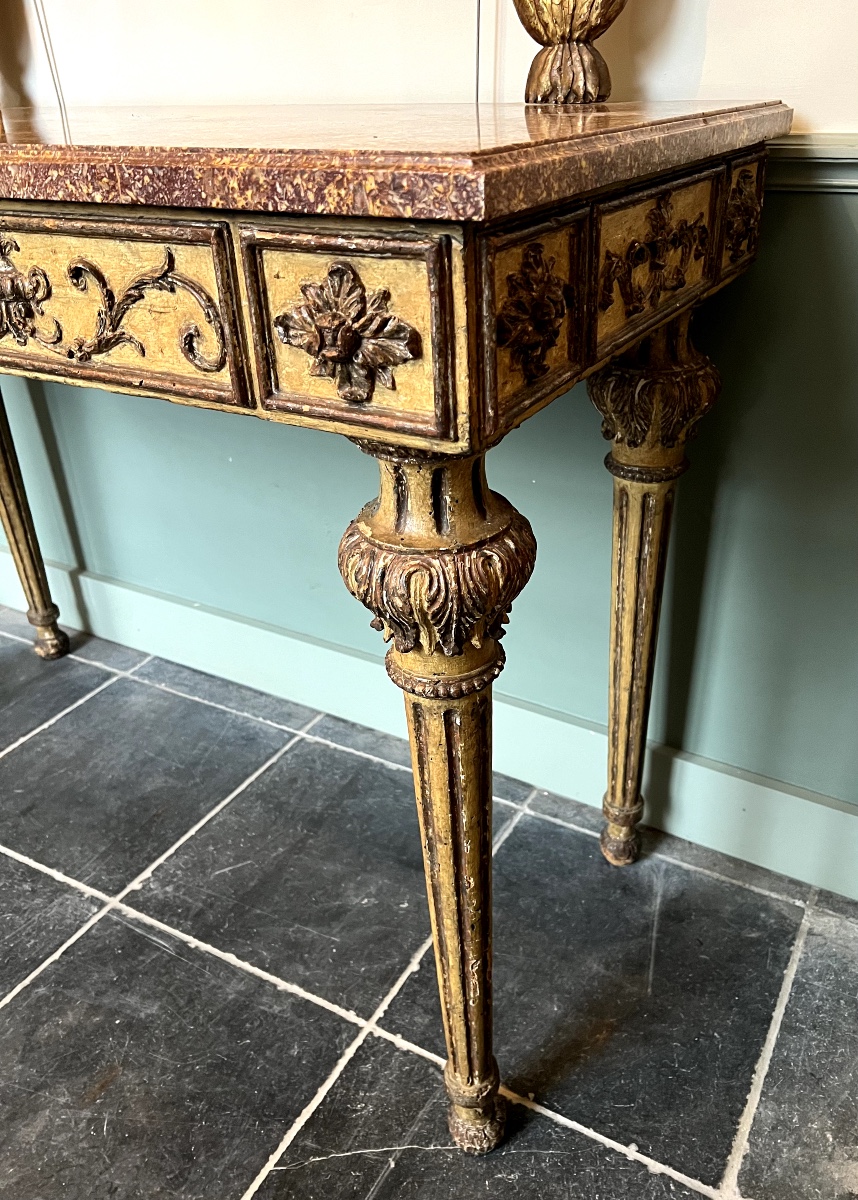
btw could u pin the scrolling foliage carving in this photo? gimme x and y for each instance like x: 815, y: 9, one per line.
x: 109, y: 332
x: 667, y: 237
x: 349, y: 333
x: 22, y: 298
x: 743, y: 217
x: 528, y: 324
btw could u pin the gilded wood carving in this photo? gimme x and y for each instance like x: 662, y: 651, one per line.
x: 529, y: 321
x: 651, y: 401
x: 742, y: 221
x: 42, y: 613
x: 112, y: 312
x: 22, y: 298
x: 349, y: 333
x: 569, y: 68
x: 439, y: 558
x: 666, y: 251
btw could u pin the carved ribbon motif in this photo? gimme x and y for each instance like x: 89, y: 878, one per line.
x: 743, y: 217
x: 22, y: 297
x: 529, y: 322
x: 666, y: 236
x: 349, y: 333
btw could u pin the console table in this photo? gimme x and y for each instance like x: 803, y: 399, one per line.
x: 420, y: 280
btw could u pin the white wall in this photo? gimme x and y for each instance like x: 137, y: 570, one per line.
x: 340, y: 51
x: 733, y: 50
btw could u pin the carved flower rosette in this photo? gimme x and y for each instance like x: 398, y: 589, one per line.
x: 569, y: 69
x: 350, y: 334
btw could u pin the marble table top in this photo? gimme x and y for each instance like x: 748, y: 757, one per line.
x: 429, y: 162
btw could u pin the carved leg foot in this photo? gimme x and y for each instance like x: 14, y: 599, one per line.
x: 438, y: 559
x: 42, y: 613
x: 651, y: 401
x: 51, y: 641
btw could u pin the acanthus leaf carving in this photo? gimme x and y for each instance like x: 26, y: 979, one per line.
x: 744, y: 211
x: 440, y: 600
x: 349, y: 333
x: 529, y: 322
x: 657, y: 393
x: 667, y: 236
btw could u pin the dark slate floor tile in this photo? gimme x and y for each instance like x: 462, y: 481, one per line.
x: 221, y: 691
x: 584, y: 816
x: 381, y: 1133
x: 659, y: 843
x: 103, y: 792
x: 137, y: 1067
x: 633, y: 1001
x: 109, y: 654
x: 804, y: 1144
x: 36, y: 916
x: 395, y: 750
x: 361, y: 737
x: 654, y: 841
x: 314, y: 873
x: 32, y: 690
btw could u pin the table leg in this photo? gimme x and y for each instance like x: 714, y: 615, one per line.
x: 651, y: 400
x: 17, y: 519
x: 439, y: 559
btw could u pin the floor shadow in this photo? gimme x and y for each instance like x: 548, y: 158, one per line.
x: 16, y: 52
x: 48, y: 435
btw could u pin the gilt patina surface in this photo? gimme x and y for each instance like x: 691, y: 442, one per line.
x: 421, y: 281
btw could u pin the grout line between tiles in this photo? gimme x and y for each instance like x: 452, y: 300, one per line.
x: 677, y: 862
x: 52, y: 958
x: 226, y: 956
x: 729, y: 1189
x: 366, y: 1027
x: 218, y: 808
x: 113, y: 902
x: 58, y: 876
x: 64, y: 712
x: 340, y: 1066
x: 57, y: 717
x: 395, y: 766
x: 629, y: 1152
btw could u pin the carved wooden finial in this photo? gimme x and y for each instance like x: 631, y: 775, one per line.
x: 568, y: 69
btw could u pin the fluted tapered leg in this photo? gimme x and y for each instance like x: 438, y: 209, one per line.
x: 42, y: 613
x: 651, y: 401
x: 438, y: 559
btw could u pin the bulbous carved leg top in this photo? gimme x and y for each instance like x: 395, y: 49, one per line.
x: 438, y: 558
x: 651, y: 401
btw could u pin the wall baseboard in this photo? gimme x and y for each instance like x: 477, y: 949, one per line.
x: 814, y: 163
x: 772, y: 824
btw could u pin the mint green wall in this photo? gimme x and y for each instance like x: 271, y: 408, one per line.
x: 759, y: 653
